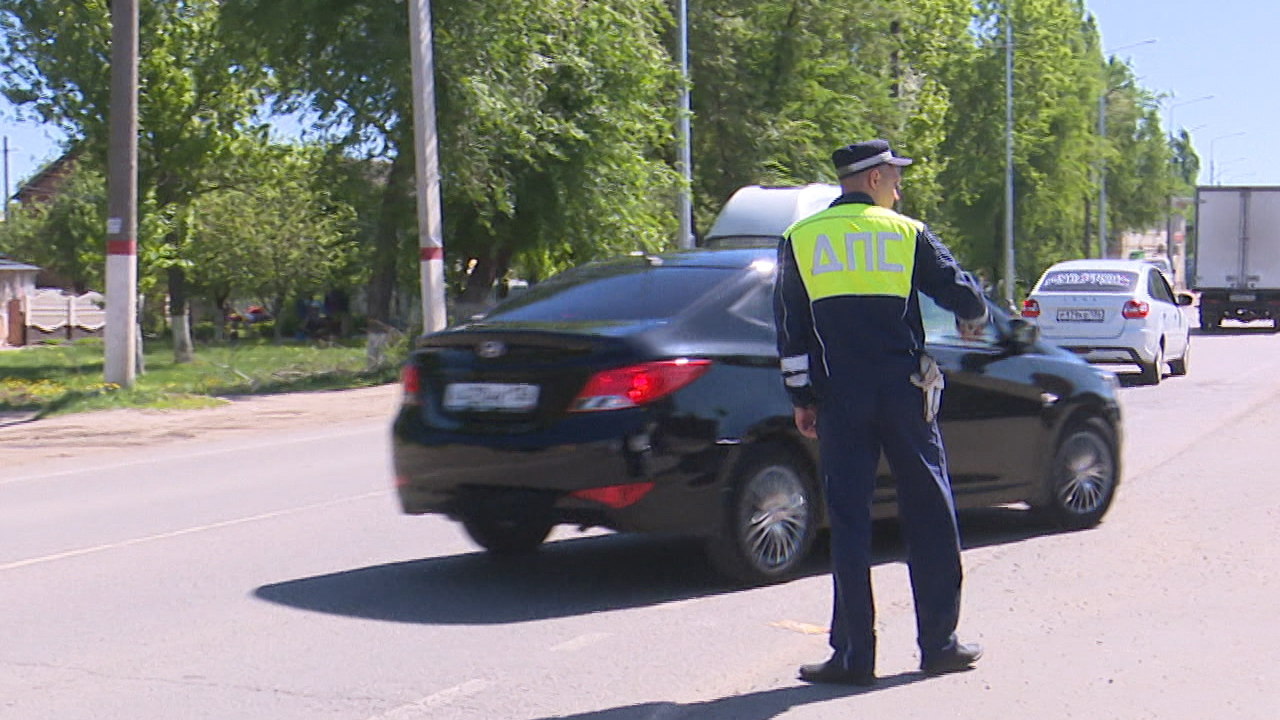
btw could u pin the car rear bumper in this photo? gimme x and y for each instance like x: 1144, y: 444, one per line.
x: 1138, y: 347
x: 467, y: 476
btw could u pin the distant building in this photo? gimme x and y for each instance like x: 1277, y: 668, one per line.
x: 44, y: 185
x: 17, y: 281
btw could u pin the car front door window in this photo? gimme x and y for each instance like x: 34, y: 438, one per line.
x: 940, y: 327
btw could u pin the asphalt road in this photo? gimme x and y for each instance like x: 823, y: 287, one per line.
x: 275, y: 579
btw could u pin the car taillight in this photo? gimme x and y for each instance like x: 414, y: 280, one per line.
x: 615, y: 496
x: 637, y: 385
x: 1030, y: 308
x: 1134, y: 309
x: 410, y: 385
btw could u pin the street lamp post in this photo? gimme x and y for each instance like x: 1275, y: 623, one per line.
x: 685, y: 240
x: 1168, y: 210
x: 1008, y: 159
x: 1211, y: 144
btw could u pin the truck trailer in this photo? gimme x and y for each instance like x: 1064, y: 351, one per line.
x: 1235, y: 265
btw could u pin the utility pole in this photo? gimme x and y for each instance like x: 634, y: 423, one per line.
x: 427, y: 160
x: 1008, y: 158
x: 1102, y: 178
x: 685, y: 239
x: 6, y: 178
x: 120, y: 364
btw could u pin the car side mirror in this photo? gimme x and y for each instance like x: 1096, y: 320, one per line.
x: 1023, y: 333
x: 1186, y: 299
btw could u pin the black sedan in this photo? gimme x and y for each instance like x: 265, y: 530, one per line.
x: 643, y: 394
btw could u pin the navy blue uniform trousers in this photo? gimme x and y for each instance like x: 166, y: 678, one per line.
x: 859, y: 414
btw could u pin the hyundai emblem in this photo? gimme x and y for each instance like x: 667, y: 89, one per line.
x: 491, y: 349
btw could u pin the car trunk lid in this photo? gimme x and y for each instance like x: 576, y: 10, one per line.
x: 515, y: 377
x: 1065, y: 316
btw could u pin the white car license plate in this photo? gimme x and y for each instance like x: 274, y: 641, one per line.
x: 1080, y: 315
x: 1242, y: 297
x: 500, y: 397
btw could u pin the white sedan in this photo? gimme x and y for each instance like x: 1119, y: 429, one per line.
x: 1113, y: 311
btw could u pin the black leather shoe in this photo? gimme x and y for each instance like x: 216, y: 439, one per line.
x: 831, y: 673
x: 960, y: 658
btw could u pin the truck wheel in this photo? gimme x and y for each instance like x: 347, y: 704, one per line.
x: 507, y: 536
x: 1083, y: 475
x: 771, y: 519
x: 1152, y: 372
x: 1208, y: 321
x: 1179, y: 367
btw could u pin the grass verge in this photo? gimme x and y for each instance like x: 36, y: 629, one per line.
x: 55, y: 379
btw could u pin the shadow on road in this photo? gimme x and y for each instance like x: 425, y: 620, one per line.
x: 749, y: 706
x: 571, y: 577
x: 1267, y: 329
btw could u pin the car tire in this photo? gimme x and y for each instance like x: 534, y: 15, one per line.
x: 771, y: 518
x: 1083, y: 475
x: 1153, y: 371
x: 1179, y: 367
x: 508, y: 536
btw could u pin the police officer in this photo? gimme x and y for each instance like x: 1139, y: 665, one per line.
x: 852, y: 345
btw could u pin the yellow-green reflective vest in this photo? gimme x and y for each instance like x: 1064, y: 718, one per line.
x: 855, y: 249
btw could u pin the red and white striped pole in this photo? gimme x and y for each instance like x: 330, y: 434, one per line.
x: 427, y: 158
x: 120, y: 363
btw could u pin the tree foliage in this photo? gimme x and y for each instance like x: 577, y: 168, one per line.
x: 556, y: 126
x: 198, y: 105
x: 275, y: 239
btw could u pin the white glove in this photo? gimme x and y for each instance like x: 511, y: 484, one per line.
x: 972, y: 330
x: 929, y: 379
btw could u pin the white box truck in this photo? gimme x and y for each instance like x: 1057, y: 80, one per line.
x: 1236, y: 263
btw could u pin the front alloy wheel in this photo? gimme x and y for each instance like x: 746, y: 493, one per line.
x: 1084, y: 475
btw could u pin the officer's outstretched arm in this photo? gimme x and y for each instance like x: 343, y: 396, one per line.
x: 794, y: 321
x: 939, y: 276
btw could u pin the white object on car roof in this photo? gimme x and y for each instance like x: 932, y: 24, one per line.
x: 757, y: 211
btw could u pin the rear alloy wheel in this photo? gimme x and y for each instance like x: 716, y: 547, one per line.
x: 1151, y: 373
x: 1084, y: 475
x: 771, y: 521
x: 508, y: 536
x: 1179, y: 367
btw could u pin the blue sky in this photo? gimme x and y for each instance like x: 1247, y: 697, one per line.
x: 1221, y: 49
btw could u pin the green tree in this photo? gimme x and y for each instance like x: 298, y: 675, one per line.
x: 552, y: 118
x: 63, y: 235
x: 1055, y: 90
x: 198, y: 104
x: 1137, y: 157
x: 275, y: 240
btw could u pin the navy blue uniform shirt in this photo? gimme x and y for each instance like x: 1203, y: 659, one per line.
x: 846, y: 336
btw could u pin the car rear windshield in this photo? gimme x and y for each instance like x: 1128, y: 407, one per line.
x: 613, y: 293
x: 1089, y: 281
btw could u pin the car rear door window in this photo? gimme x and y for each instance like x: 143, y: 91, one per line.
x: 613, y: 292
x: 756, y: 306
x: 1089, y: 281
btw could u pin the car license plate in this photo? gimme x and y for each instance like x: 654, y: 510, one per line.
x: 492, y: 397
x: 1080, y: 315
x: 1242, y: 297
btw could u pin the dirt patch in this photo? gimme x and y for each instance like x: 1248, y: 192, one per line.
x: 93, y: 433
